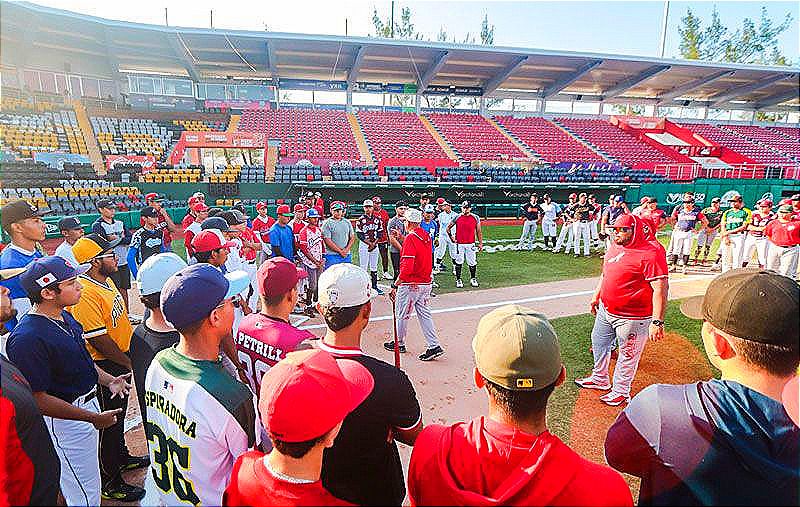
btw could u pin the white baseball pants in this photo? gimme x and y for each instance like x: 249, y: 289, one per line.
x: 528, y: 234
x: 581, y: 231
x: 566, y: 232
x: 415, y: 298
x: 593, y: 230
x: 445, y: 243
x: 681, y: 242
x: 466, y: 252
x: 368, y: 260
x: 758, y: 245
x: 631, y: 336
x: 77, y: 444
x: 548, y: 228
x: 783, y: 259
x: 705, y: 238
x: 732, y: 254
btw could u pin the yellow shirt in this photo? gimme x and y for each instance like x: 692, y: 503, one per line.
x: 102, y: 311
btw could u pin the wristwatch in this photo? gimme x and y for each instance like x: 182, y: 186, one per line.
x: 659, y: 323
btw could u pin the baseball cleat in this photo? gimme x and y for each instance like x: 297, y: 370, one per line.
x: 122, y: 492
x: 459, y: 284
x: 473, y: 282
x: 387, y: 275
x: 614, y: 399
x: 590, y: 383
x: 390, y: 347
x: 431, y: 354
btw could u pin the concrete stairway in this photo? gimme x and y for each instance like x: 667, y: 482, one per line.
x: 440, y: 140
x: 584, y: 142
x: 361, y: 141
x: 234, y: 123
x: 270, y: 163
x: 519, y: 144
x: 88, y: 136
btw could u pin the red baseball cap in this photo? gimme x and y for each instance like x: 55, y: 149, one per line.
x: 440, y: 200
x: 624, y: 221
x: 299, y: 207
x: 573, y: 195
x: 283, y: 209
x: 199, y: 206
x: 193, y: 200
x: 277, y: 276
x: 153, y: 196
x: 377, y: 199
x: 261, y: 205
x: 210, y: 239
x: 765, y: 202
x: 309, y: 392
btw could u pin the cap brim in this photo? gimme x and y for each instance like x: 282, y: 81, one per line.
x: 43, y: 212
x: 5, y: 274
x: 693, y: 307
x: 238, y: 282
x: 287, y: 214
x: 81, y: 269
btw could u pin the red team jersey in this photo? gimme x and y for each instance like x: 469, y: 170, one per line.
x: 262, y: 341
x: 383, y: 237
x: 783, y: 234
x: 248, y: 253
x: 187, y: 221
x: 759, y: 220
x: 311, y: 238
x: 466, y: 228
x: 370, y: 226
x: 262, y: 225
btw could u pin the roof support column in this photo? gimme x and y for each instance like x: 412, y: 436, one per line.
x: 418, y: 102
x: 540, y: 107
x: 482, y: 106
x: 349, y: 100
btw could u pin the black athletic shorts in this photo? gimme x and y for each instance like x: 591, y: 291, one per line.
x: 122, y: 277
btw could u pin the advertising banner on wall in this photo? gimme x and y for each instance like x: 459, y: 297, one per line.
x: 313, y: 84
x: 147, y: 162
x: 57, y: 160
x: 222, y: 139
x: 237, y: 104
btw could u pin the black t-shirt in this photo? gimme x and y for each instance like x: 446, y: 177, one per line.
x: 582, y: 211
x: 148, y: 242
x: 145, y: 344
x: 32, y: 433
x: 530, y: 211
x: 363, y: 466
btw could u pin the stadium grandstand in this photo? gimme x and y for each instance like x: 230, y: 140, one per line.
x: 94, y: 107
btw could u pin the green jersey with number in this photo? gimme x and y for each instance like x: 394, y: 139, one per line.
x: 199, y: 420
x: 735, y: 218
x: 713, y: 217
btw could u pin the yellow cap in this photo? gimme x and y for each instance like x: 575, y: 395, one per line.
x: 85, y: 250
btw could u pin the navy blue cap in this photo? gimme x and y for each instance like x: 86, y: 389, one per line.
x: 191, y: 294
x: 619, y: 198
x: 69, y: 224
x: 46, y: 271
x: 217, y: 222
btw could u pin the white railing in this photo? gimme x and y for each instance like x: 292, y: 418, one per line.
x: 685, y: 172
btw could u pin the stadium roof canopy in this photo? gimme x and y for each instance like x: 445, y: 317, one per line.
x: 29, y: 32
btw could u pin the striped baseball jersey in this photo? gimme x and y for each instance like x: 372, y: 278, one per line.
x: 199, y: 421
x: 101, y: 311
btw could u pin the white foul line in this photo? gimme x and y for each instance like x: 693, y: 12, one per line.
x: 535, y: 299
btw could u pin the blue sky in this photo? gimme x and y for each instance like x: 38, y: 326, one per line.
x: 607, y: 27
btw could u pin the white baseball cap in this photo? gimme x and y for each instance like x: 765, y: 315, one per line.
x: 368, y: 202
x: 429, y: 209
x: 413, y: 215
x: 344, y: 285
x: 155, y: 270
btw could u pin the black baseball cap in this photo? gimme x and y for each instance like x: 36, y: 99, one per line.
x: 214, y: 211
x: 401, y: 204
x: 217, y: 222
x: 466, y: 204
x: 240, y: 207
x: 16, y: 211
x: 69, y: 224
x: 106, y: 203
x: 751, y: 304
x: 233, y: 217
x: 149, y: 211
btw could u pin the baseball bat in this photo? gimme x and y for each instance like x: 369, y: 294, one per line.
x: 396, y: 344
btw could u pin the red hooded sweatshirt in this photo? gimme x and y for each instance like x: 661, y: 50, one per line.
x: 416, y: 261
x: 484, y: 462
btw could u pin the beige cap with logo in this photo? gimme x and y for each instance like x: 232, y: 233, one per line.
x: 517, y: 348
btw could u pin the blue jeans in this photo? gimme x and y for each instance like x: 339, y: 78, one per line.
x: 631, y: 334
x: 335, y: 258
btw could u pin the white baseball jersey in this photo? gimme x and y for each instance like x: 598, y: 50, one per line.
x: 444, y: 219
x: 199, y: 420
x: 550, y: 211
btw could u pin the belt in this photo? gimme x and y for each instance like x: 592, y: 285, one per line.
x: 584, y: 221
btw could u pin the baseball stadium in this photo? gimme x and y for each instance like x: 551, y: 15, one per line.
x: 595, y: 198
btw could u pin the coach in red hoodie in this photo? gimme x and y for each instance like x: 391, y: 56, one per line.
x: 508, y: 457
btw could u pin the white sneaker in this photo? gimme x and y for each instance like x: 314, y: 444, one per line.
x: 387, y: 275
x: 434, y: 285
x: 473, y: 282
x: 459, y: 284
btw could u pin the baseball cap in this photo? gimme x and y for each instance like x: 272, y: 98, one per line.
x: 401, y: 204
x: 796, y: 197
x: 46, y: 271
x: 786, y: 208
x: 735, y: 196
x: 214, y: 211
x: 153, y: 196
x: 688, y: 197
x: 156, y: 270
x: 191, y: 294
x: 377, y: 199
x: 429, y: 209
x: 6, y: 274
x: 299, y: 207
x: 414, y: 215
x: 16, y: 211
x: 765, y: 202
x: 424, y: 195
x: 309, y: 392
x: 652, y: 199
x: 284, y: 210
x: 582, y: 194
x: 441, y: 200
x: 751, y: 304
x: 344, y: 285
x: 277, y: 276
x: 368, y: 202
x: 261, y: 205
x: 337, y: 205
x: 466, y: 204
x: 239, y: 206
x: 312, y: 213
x: 517, y: 348
x: 199, y: 207
x: 619, y: 198
x: 233, y: 217
x: 309, y: 195
x: 69, y: 224
x: 624, y: 220
x: 716, y: 199
x: 573, y: 195
x: 192, y: 200
x: 90, y: 246
x: 149, y: 211
x: 217, y: 223
x: 199, y: 195
x: 644, y: 200
x: 210, y: 239
x: 317, y: 194
x: 106, y: 203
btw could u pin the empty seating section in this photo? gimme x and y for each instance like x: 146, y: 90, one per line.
x: 790, y: 132
x: 133, y: 136
x: 289, y: 173
x: 397, y: 135
x: 461, y: 174
x: 252, y: 174
x: 223, y: 174
x: 512, y: 174
x: 199, y: 125
x: 768, y: 138
x: 738, y: 143
x: 620, y: 145
x: 547, y: 140
x: 394, y: 173
x: 44, y: 132
x: 347, y: 173
x: 474, y: 138
x: 169, y: 174
x: 304, y: 133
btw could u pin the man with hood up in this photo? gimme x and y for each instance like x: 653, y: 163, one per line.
x: 727, y: 441
x: 508, y: 457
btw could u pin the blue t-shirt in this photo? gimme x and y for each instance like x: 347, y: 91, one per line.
x: 52, y: 355
x: 431, y: 228
x: 15, y: 257
x: 282, y: 236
